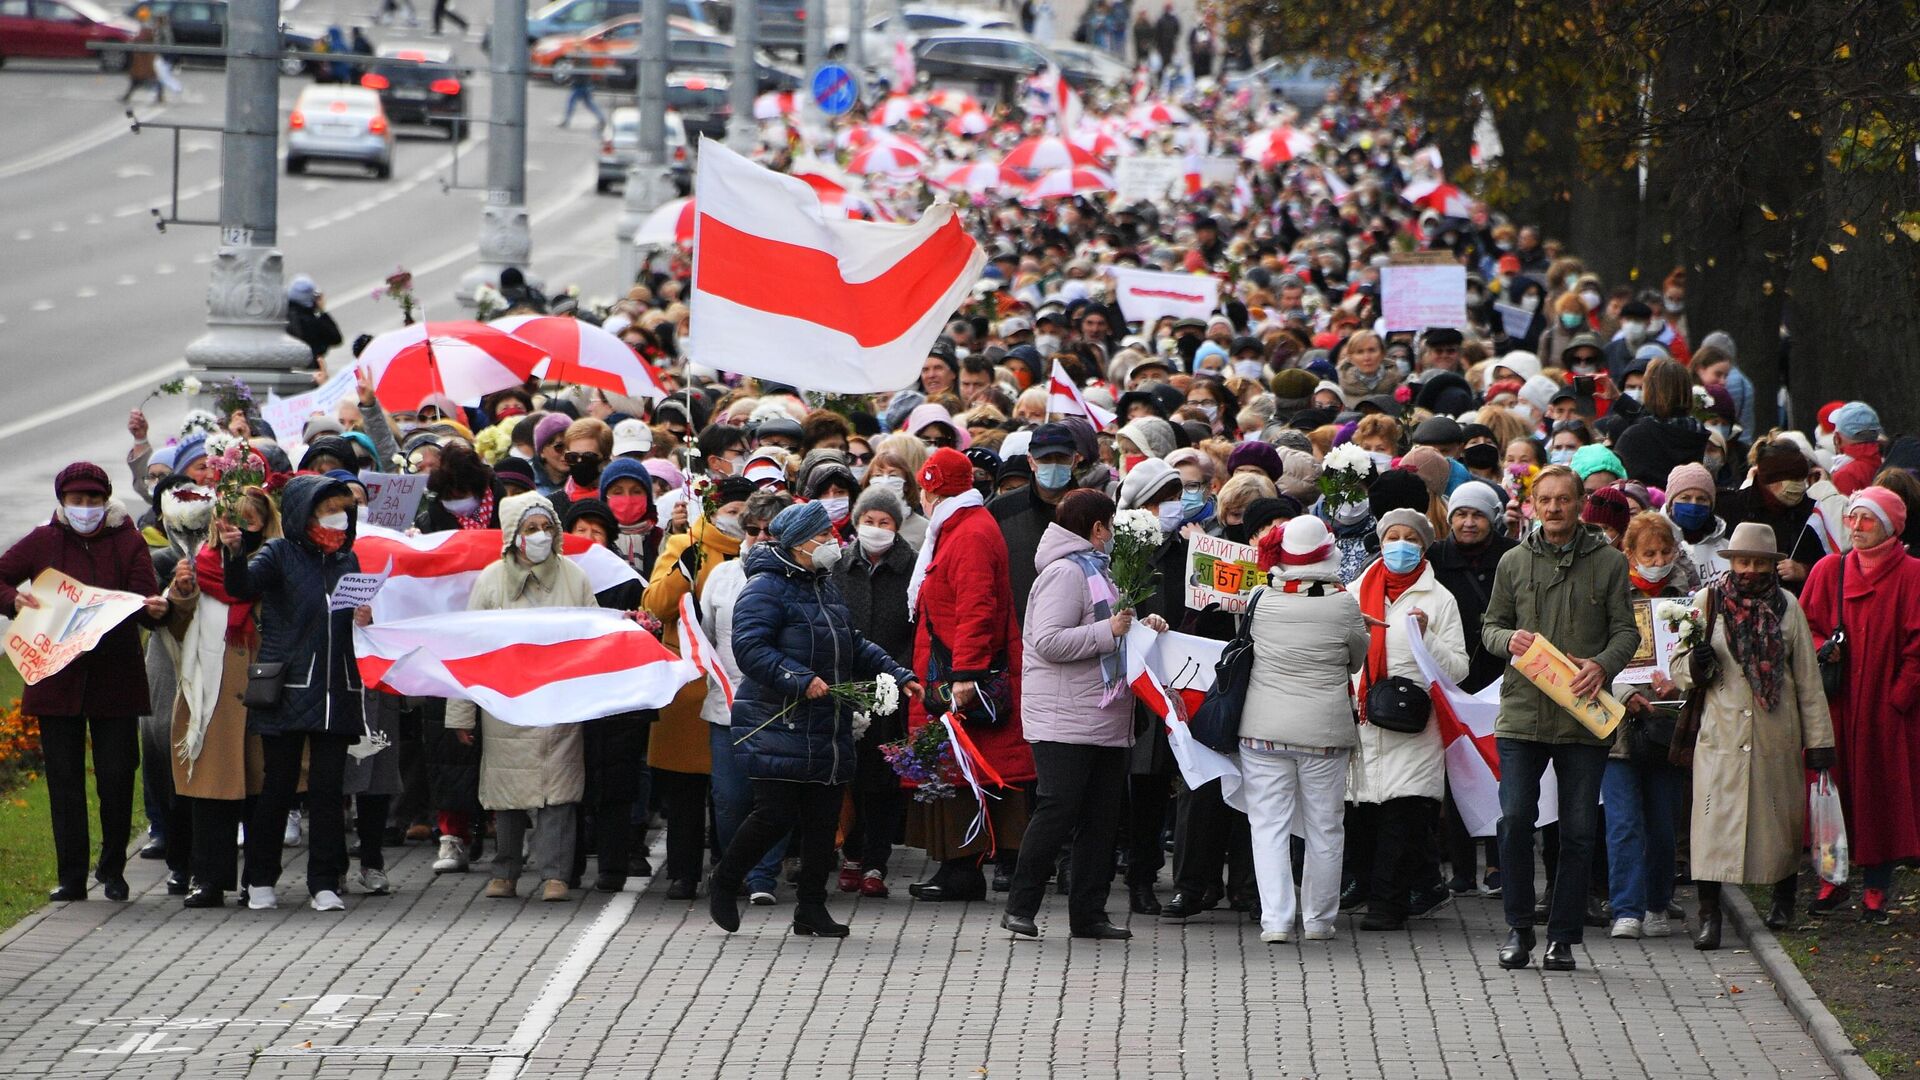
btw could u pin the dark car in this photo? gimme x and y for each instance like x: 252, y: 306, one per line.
x: 204, y: 23
x: 60, y: 30
x: 687, y: 52
x: 419, y: 84
x: 783, y: 24
x: 993, y: 64
x: 702, y: 102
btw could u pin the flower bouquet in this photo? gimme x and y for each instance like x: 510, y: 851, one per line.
x: 879, y: 695
x: 399, y: 287
x: 487, y: 302
x: 1683, y: 620
x: 1343, y: 475
x: 236, y: 467
x: 1136, y: 541
x: 925, y: 759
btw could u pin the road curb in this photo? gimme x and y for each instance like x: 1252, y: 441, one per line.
x: 1793, y: 988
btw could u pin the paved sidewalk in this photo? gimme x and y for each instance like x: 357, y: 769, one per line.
x: 435, y: 981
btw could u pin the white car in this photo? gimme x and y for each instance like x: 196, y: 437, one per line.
x: 339, y: 123
x: 919, y: 19
x: 623, y: 140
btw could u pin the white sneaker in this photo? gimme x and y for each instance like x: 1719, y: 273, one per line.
x: 240, y: 839
x: 373, y: 882
x: 1656, y: 925
x: 261, y: 898
x: 1320, y: 933
x: 292, y: 836
x: 328, y: 900
x: 1625, y: 928
x: 453, y: 856
x: 762, y: 899
x: 1276, y: 937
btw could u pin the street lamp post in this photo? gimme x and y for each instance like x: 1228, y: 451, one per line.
x: 649, y: 182
x: 506, y: 236
x: 742, y: 130
x: 246, y: 334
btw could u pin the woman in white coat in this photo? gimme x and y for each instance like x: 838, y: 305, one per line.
x: 1396, y: 780
x: 532, y: 778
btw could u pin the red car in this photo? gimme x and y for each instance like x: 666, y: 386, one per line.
x: 60, y: 30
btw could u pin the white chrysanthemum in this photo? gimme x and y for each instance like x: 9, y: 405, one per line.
x: 1142, y: 526
x: 886, y: 694
x: 1348, y: 458
x: 190, y: 384
x: 861, y: 722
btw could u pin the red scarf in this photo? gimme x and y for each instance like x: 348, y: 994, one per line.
x: 211, y: 575
x: 482, y: 514
x: 1380, y: 587
x: 1647, y: 588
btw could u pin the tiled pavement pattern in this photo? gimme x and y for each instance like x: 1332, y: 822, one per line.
x: 429, y: 980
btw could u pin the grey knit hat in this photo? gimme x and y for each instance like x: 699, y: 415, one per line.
x: 883, y: 500
x: 1412, y: 518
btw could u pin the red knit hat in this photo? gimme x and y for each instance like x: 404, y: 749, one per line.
x: 947, y: 472
x: 1609, y: 508
x: 1883, y: 504
x: 84, y: 477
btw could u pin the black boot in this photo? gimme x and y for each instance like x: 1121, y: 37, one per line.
x: 723, y: 906
x: 1559, y: 957
x: 1003, y: 870
x: 812, y: 920
x: 1142, y: 901
x: 202, y: 895
x: 1708, y: 937
x: 1784, y: 891
x: 1518, y: 951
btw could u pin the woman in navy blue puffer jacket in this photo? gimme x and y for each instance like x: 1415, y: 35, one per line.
x: 793, y: 638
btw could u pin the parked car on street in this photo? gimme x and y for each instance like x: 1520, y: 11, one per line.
x: 783, y: 24
x: 613, y: 50
x: 1302, y: 82
x: 702, y: 101
x: 577, y: 16
x: 991, y: 64
x: 339, y: 123
x: 916, y: 20
x: 420, y: 85
x: 61, y: 30
x: 1086, y: 67
x: 204, y: 23
x: 623, y: 141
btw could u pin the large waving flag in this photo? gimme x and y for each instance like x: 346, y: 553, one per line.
x: 1171, y: 674
x: 1064, y: 397
x: 697, y: 650
x: 536, y: 667
x: 1473, y: 761
x: 785, y: 291
x: 433, y: 573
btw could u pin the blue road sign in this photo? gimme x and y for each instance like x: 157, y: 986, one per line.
x: 834, y: 89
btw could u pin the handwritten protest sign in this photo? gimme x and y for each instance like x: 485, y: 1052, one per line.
x: 392, y: 498
x: 1549, y: 669
x: 1145, y: 295
x: 354, y: 590
x: 288, y: 416
x: 71, y: 619
x: 1417, y: 297
x: 1146, y: 176
x: 1220, y: 572
x: 1515, y: 320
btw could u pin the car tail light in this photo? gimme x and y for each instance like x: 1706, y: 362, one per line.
x: 296, y: 120
x: 377, y: 125
x: 800, y: 14
x: 679, y: 153
x: 373, y: 80
x: 606, y: 146
x: 448, y: 87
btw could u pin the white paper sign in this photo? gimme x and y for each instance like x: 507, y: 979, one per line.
x: 393, y: 498
x: 288, y: 416
x: 1417, y: 297
x: 1146, y: 176
x: 357, y: 589
x: 1145, y: 295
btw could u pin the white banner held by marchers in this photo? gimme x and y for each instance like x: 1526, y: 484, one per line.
x: 1145, y: 295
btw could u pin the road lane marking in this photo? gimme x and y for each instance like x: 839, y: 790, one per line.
x: 80, y: 144
x: 42, y: 305
x: 143, y: 381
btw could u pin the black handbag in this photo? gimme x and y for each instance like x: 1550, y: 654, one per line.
x: 1399, y: 704
x: 1832, y: 654
x: 265, y: 683
x: 1650, y: 739
x: 992, y: 703
x: 1216, y: 723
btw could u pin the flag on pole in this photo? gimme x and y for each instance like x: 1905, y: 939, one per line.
x: 535, y: 667
x: 1171, y: 674
x: 697, y: 650
x: 433, y: 573
x: 1056, y: 98
x: 853, y: 306
x: 1064, y: 397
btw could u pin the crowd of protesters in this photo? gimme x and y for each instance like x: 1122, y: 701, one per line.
x: 1573, y: 446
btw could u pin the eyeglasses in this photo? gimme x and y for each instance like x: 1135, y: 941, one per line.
x: 576, y: 458
x: 755, y: 531
x: 937, y: 441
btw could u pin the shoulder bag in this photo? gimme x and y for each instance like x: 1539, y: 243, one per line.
x: 1216, y: 723
x: 1399, y: 704
x: 265, y: 683
x: 1684, y: 729
x: 1832, y: 655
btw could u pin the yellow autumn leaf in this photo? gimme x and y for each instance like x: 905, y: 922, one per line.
x: 1820, y: 261
x: 1836, y: 248
x: 1843, y: 52
x: 1912, y: 229
x: 1767, y: 212
x: 1847, y: 227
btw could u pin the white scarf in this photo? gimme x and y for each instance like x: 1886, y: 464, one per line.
x: 941, y: 513
x: 202, y: 657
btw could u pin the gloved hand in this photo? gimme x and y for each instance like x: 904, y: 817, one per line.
x: 1702, y: 665
x: 1820, y: 758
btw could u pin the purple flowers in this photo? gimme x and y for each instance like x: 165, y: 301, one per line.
x: 924, y: 760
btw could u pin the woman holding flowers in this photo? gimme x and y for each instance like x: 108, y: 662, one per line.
x: 793, y: 714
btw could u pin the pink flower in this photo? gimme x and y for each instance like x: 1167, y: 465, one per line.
x: 1403, y: 394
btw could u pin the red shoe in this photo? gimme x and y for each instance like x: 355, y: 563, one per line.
x: 1830, y: 898
x: 1873, y: 907
x: 849, y: 877
x: 874, y: 884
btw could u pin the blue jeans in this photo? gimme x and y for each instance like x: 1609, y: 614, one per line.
x: 732, y: 802
x: 1642, y: 800
x: 1578, y: 768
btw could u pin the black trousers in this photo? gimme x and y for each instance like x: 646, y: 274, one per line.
x: 200, y: 843
x: 1148, y: 798
x: 326, y: 821
x: 1206, y: 833
x: 810, y: 811
x: 116, y: 756
x: 607, y: 828
x: 443, y: 10
x: 1462, y: 857
x: 370, y: 829
x: 1393, y: 849
x: 1079, y: 790
x: 683, y: 799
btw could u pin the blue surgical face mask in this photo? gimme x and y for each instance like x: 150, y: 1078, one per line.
x: 1400, y: 555
x: 1560, y: 457
x: 1570, y: 320
x: 1690, y: 516
x: 1052, y: 477
x: 1192, y: 503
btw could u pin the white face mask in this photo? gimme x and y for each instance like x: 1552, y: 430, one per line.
x: 335, y: 520
x: 85, y: 519
x: 729, y: 525
x: 1247, y: 369
x: 461, y: 506
x: 835, y: 506
x: 1381, y: 462
x: 826, y: 557
x: 1171, y: 515
x: 1046, y: 344
x: 1635, y: 332
x: 860, y: 473
x: 875, y: 540
x: 1591, y: 299
x: 1530, y: 302
x: 1656, y: 573
x: 537, y: 547
x: 895, y: 484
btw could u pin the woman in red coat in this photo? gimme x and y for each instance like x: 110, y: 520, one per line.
x: 967, y: 645
x: 104, y: 690
x: 1876, y: 717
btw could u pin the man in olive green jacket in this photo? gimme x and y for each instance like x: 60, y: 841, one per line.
x: 1564, y: 583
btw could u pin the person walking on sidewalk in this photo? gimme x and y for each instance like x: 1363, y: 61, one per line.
x: 580, y: 92
x: 443, y: 12
x: 794, y: 639
x: 1566, y: 584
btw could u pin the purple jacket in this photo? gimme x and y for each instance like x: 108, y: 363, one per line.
x: 1060, y: 678
x: 111, y: 680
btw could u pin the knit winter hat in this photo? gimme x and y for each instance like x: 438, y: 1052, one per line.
x: 82, y: 478
x: 1413, y: 519
x: 1151, y: 434
x: 1145, y: 481
x: 1299, y: 474
x: 549, y: 426
x: 798, y: 524
x: 1691, y: 476
x: 514, y: 511
x: 1780, y: 461
x: 1258, y: 454
x: 1431, y: 466
x: 884, y: 500
x: 947, y: 472
x: 629, y: 469
x: 1595, y: 458
x: 1883, y: 504
x: 1480, y: 496
x: 1397, y: 489
x: 1608, y: 508
x: 1305, y: 550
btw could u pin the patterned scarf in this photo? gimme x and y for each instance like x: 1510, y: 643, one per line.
x: 482, y: 515
x: 1751, y: 607
x: 1113, y: 665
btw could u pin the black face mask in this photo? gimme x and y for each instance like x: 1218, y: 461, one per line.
x: 1481, y: 457
x: 251, y: 539
x: 586, y: 473
x: 1187, y: 345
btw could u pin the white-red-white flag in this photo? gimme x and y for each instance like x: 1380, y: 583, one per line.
x: 1064, y: 397
x: 433, y: 573
x: 787, y: 292
x: 1171, y: 674
x: 1473, y: 761
x: 697, y: 650
x: 533, y: 667
x: 1146, y: 295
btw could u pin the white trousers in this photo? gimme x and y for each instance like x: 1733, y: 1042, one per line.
x: 1305, y: 795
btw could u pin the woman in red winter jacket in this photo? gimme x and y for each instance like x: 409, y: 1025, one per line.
x: 104, y: 690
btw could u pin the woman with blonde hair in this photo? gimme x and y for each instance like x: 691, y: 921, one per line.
x: 1364, y: 370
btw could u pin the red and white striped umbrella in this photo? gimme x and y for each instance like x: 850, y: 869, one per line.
x: 982, y: 178
x: 671, y: 223
x: 968, y: 122
x: 1151, y: 114
x: 581, y: 352
x: 1275, y: 145
x: 1099, y: 144
x: 890, y: 154
x: 898, y: 109
x: 464, y: 360
x: 853, y: 138
x: 776, y: 104
x: 1063, y: 182
x: 953, y: 101
x: 1048, y: 153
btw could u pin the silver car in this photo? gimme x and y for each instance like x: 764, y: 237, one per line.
x: 339, y: 123
x: 623, y: 140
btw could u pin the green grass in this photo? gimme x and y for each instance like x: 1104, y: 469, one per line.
x: 10, y: 684
x: 26, y: 844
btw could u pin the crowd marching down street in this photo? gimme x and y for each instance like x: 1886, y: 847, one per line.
x: 1171, y: 487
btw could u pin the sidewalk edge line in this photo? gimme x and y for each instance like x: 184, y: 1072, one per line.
x: 1793, y: 988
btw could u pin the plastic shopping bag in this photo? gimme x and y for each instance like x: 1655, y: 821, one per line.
x: 1829, y: 830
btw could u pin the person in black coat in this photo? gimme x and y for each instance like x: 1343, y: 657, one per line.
x: 873, y: 577
x: 1667, y: 435
x: 1778, y: 499
x: 1023, y: 515
x: 307, y: 319
x: 318, y: 709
